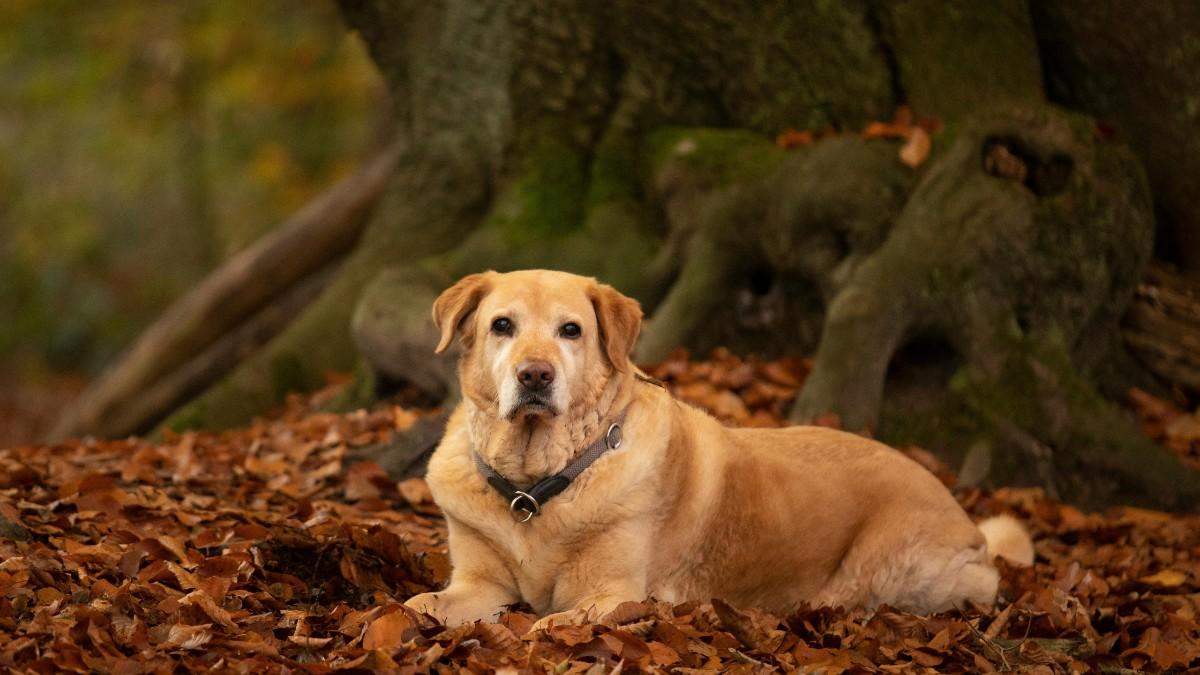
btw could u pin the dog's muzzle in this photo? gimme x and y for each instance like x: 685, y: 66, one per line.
x: 534, y: 402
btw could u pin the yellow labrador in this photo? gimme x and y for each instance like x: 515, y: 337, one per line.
x: 572, y: 483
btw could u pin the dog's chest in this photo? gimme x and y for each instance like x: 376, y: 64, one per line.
x: 536, y: 553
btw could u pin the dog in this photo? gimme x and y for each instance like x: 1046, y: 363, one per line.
x: 571, y: 481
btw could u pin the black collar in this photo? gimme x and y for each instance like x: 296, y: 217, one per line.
x: 525, y: 504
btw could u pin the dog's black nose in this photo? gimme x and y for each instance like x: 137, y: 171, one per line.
x: 535, y: 375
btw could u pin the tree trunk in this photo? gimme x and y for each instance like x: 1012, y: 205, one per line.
x: 1134, y: 66
x: 632, y: 141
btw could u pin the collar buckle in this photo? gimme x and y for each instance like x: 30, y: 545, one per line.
x: 521, y: 512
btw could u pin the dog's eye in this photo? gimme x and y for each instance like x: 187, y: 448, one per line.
x: 502, y: 326
x: 570, y: 331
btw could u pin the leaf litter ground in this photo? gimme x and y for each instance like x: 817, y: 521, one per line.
x: 266, y: 549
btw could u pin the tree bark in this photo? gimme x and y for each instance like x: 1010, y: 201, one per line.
x: 1135, y: 67
x: 1162, y: 327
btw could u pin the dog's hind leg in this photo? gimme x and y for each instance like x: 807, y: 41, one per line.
x: 917, y: 571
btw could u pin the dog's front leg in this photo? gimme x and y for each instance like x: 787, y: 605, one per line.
x: 600, y: 578
x: 480, y: 586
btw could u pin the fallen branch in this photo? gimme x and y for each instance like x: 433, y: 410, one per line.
x: 150, y: 406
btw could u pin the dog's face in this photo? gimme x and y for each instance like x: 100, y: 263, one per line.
x: 537, y: 342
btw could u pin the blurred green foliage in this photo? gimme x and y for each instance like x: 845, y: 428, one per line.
x: 143, y: 142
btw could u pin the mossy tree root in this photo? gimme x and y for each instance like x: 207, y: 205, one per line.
x: 1036, y: 420
x: 1028, y: 230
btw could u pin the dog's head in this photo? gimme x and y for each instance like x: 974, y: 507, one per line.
x: 537, y: 343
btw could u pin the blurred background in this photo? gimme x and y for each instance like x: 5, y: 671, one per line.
x: 143, y: 143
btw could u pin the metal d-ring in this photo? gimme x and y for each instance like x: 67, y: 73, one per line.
x: 612, y: 438
x: 513, y: 508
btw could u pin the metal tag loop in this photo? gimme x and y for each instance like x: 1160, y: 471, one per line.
x: 613, y: 437
x: 516, y: 510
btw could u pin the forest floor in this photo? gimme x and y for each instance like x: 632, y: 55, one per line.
x: 266, y: 549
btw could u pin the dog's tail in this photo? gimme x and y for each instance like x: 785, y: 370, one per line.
x: 1008, y: 538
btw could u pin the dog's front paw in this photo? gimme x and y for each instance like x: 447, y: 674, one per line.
x: 571, y: 617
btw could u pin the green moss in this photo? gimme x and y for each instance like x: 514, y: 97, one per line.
x: 188, y: 418
x: 977, y: 401
x: 955, y: 57
x: 545, y: 198
x: 729, y: 155
x: 289, y: 374
x: 554, y: 214
x: 941, y: 141
x: 842, y: 81
x: 552, y: 190
x: 617, y: 246
x: 613, y: 173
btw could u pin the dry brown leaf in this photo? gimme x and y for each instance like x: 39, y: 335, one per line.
x: 572, y: 634
x: 387, y: 632
x: 187, y: 580
x: 365, y: 480
x: 498, y: 637
x: 916, y: 149
x: 793, y: 139
x: 209, y: 606
x: 777, y: 372
x: 728, y: 405
x: 756, y: 630
x: 403, y: 419
x: 188, y: 637
x: 1168, y: 578
x: 628, y: 612
x: 886, y: 130
x: 415, y: 491
x: 308, y: 641
x: 941, y: 641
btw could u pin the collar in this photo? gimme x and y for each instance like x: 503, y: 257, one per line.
x: 525, y: 504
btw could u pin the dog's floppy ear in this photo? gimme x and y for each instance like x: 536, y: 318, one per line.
x: 456, y: 304
x: 620, y: 321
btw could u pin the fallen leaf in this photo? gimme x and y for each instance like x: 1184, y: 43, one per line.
x: 188, y: 637
x: 1168, y: 578
x: 209, y: 606
x: 415, y: 491
x: 793, y: 139
x: 387, y: 632
x: 309, y: 642
x: 916, y: 148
